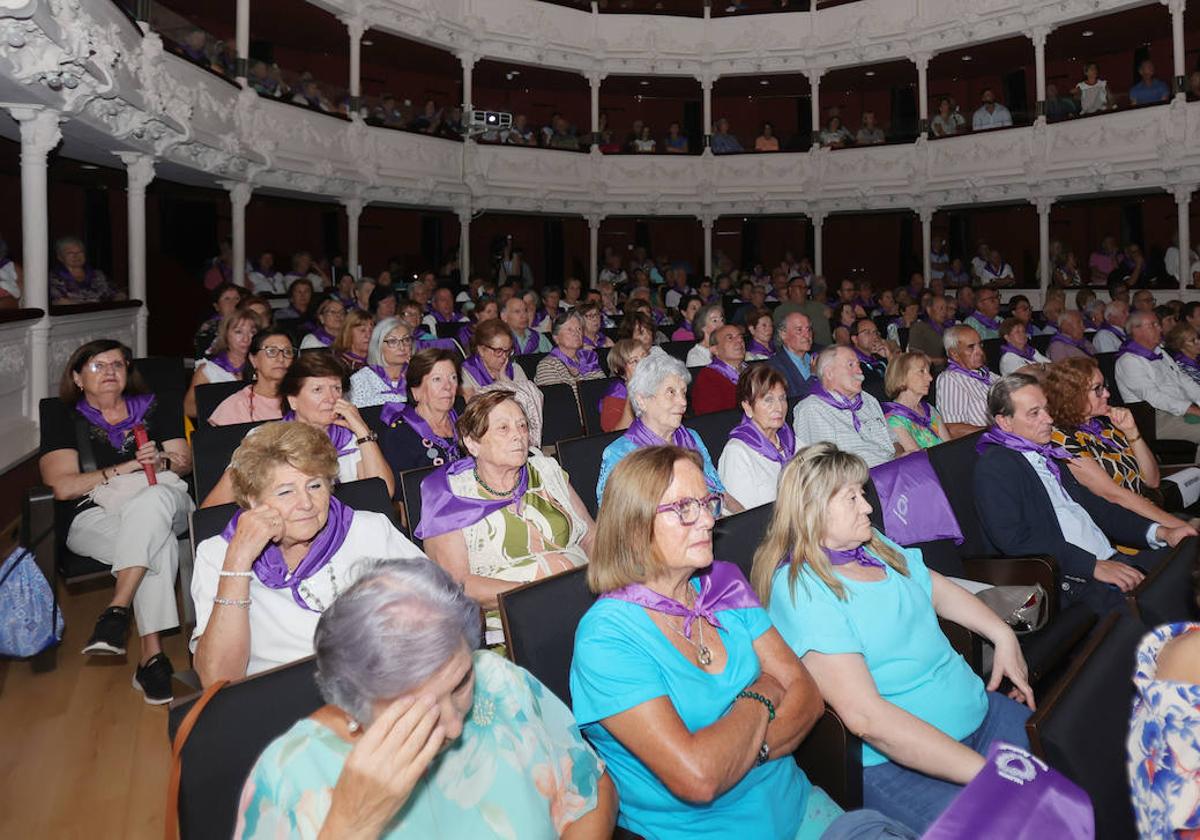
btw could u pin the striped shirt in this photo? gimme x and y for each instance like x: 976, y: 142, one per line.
x: 962, y: 398
x: 815, y: 420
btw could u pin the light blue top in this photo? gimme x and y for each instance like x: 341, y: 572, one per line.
x: 622, y: 446
x: 622, y: 659
x: 893, y: 625
x: 519, y: 769
x: 802, y: 363
x: 1144, y: 94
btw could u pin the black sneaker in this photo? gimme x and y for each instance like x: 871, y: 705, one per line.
x: 154, y: 680
x: 112, y: 628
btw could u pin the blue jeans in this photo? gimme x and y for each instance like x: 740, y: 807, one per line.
x: 916, y: 799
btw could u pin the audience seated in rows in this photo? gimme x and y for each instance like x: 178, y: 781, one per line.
x: 838, y: 410
x: 1147, y: 374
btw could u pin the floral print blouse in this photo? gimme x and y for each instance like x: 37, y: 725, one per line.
x: 1164, y: 745
x: 521, y: 769
x: 1110, y: 449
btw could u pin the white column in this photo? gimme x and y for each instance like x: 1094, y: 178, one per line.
x: 355, y: 29
x: 468, y: 60
x: 354, y: 208
x: 707, y: 221
x: 926, y: 215
x: 243, y: 40
x: 1183, y: 200
x: 818, y: 220
x: 706, y: 86
x: 922, y: 62
x: 1038, y: 35
x: 239, y: 197
x: 1177, y: 8
x: 814, y: 83
x: 139, y: 172
x: 39, y: 134
x: 594, y: 221
x: 594, y: 79
x: 1043, y: 204
x: 464, y: 244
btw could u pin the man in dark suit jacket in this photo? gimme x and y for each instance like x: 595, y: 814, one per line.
x: 796, y: 357
x: 1026, y: 509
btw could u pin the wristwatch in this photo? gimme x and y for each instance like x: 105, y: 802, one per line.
x: 764, y: 754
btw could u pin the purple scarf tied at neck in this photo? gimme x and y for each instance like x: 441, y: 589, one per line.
x: 585, y: 361
x: 840, y: 402
x: 753, y: 346
x: 594, y: 343
x: 995, y: 436
x: 722, y: 587
x: 725, y: 369
x: 442, y: 511
x: 1185, y: 361
x: 399, y: 387
x: 937, y: 328
x: 982, y: 375
x: 137, y: 405
x: 480, y: 373
x: 1025, y: 353
x: 322, y: 336
x: 865, y: 359
x: 1097, y: 429
x: 1109, y: 328
x: 990, y: 323
x: 221, y: 360
x: 1132, y: 347
x: 1073, y: 342
x: 270, y: 567
x: 924, y: 420
x: 616, y: 390
x: 857, y: 555
x: 403, y: 411
x: 750, y: 434
x: 341, y: 437
x: 530, y: 344
x: 640, y: 434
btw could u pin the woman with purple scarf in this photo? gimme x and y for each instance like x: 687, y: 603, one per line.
x: 679, y: 680
x: 420, y: 432
x: 330, y: 317
x: 73, y: 281
x: 616, y: 412
x: 760, y: 326
x: 292, y: 548
x: 107, y: 509
x: 1016, y: 352
x: 388, y: 353
x: 569, y: 361
x: 862, y: 614
x: 490, y: 368
x: 593, y: 326
x: 913, y: 422
x: 1183, y: 344
x: 226, y: 362
x: 763, y: 442
x: 354, y: 340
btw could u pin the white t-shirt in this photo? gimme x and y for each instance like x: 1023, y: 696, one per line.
x: 280, y: 630
x: 1092, y: 98
x: 311, y: 342
x: 214, y: 373
x: 749, y: 477
x: 267, y: 283
x: 699, y: 356
x: 1011, y: 362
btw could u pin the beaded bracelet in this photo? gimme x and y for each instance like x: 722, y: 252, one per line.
x: 754, y: 695
x: 233, y: 602
x: 224, y: 573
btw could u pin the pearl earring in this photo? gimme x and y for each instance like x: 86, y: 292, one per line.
x: 352, y: 725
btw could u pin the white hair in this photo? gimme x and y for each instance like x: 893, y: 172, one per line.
x: 650, y: 374
x: 826, y: 359
x: 954, y: 335
x: 375, y: 348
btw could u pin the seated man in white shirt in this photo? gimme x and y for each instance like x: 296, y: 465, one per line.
x: 1146, y: 373
x: 1111, y: 334
x: 839, y: 411
x: 991, y: 114
x: 962, y: 387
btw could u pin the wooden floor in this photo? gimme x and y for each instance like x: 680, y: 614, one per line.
x: 81, y: 754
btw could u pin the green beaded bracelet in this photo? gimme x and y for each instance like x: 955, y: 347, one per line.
x: 754, y: 695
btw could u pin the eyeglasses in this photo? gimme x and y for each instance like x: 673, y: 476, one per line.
x: 688, y: 509
x: 497, y: 351
x: 103, y: 367
x: 276, y: 352
x: 394, y: 343
x: 1102, y: 388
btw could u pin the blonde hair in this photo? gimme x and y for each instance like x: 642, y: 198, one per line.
x: 898, y: 369
x: 354, y: 318
x: 806, y: 486
x: 623, y: 552
x: 298, y: 445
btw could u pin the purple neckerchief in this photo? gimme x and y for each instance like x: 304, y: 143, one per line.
x: 640, y: 434
x: 995, y: 436
x: 722, y: 587
x: 1109, y: 328
x: 442, y: 511
x: 934, y: 325
x: 1089, y: 324
x: 442, y: 319
x: 585, y: 361
x: 982, y: 375
x: 530, y: 344
x: 348, y: 303
x: 995, y: 272
x: 87, y: 284
x: 322, y: 336
x: 1096, y: 429
x: 270, y: 567
x: 353, y: 360
x: 393, y: 411
x: 479, y: 372
x: 1073, y: 342
x: 866, y: 359
x: 925, y: 421
x: 616, y: 390
x: 660, y: 317
x: 595, y: 343
x: 761, y: 349
x: 399, y: 387
x: 1016, y: 795
x: 339, y: 436
x: 840, y: 402
x: 466, y: 334
x: 136, y: 405
x: 913, y: 504
x: 221, y: 360
x: 725, y: 369
x: 1133, y: 348
x: 990, y: 323
x: 1027, y: 353
x: 857, y: 555
x: 1185, y: 361
x: 750, y: 434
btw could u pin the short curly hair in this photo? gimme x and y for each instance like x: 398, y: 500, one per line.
x: 1066, y: 385
x: 292, y: 443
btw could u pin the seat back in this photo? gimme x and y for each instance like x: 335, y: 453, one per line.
x: 162, y: 373
x: 736, y: 537
x: 560, y: 414
x: 212, y: 450
x: 991, y: 352
x: 580, y: 457
x: 954, y: 464
x: 211, y: 395
x: 714, y: 429
x: 591, y: 391
x: 602, y: 357
x: 529, y: 363
x: 539, y: 621
x: 678, y: 349
x: 1166, y: 595
x: 450, y: 330
x: 410, y: 496
x: 1041, y: 343
x: 1108, y: 369
x: 1080, y: 729
x: 235, y: 727
x: 873, y: 385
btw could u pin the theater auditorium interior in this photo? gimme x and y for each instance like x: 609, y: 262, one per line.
x: 600, y: 419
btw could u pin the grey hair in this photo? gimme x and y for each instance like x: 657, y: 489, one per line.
x: 564, y: 319
x: 1071, y: 314
x: 999, y: 400
x: 702, y: 315
x: 1137, y: 317
x: 375, y: 348
x: 953, y: 336
x: 1095, y: 306
x: 64, y: 241
x: 1114, y: 306
x: 389, y: 632
x: 650, y: 374
x: 826, y: 359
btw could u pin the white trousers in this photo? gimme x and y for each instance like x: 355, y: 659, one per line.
x: 142, y: 533
x: 1171, y: 427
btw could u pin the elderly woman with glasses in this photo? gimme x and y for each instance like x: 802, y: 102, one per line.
x: 500, y: 517
x: 330, y: 317
x: 107, y: 509
x: 1184, y: 346
x: 286, y: 555
x: 762, y: 443
x: 424, y: 735
x: 862, y: 614
x: 1109, y: 455
x: 678, y: 679
x: 570, y: 360
x: 708, y: 320
x: 226, y: 361
x: 658, y: 393
x: 490, y: 368
x: 382, y: 379
x: 271, y: 354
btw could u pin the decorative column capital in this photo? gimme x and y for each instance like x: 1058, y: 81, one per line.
x: 594, y: 220
x: 465, y: 214
x: 707, y: 220
x: 355, y: 27
x: 1182, y: 192
x: 595, y: 77
x: 814, y: 75
x: 139, y: 169
x: 1038, y: 35
x: 354, y: 207
x: 239, y: 193
x: 1043, y: 203
x: 1177, y: 7
x: 39, y: 127
x: 706, y: 78
x: 817, y: 216
x: 467, y: 59
x: 925, y: 214
x: 921, y: 59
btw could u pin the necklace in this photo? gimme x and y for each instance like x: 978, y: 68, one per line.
x: 311, y: 597
x: 484, y: 484
x: 703, y: 652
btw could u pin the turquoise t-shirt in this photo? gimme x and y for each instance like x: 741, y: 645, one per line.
x: 622, y: 446
x: 893, y: 625
x: 622, y: 660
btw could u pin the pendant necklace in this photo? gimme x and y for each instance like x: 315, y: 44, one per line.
x: 703, y: 652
